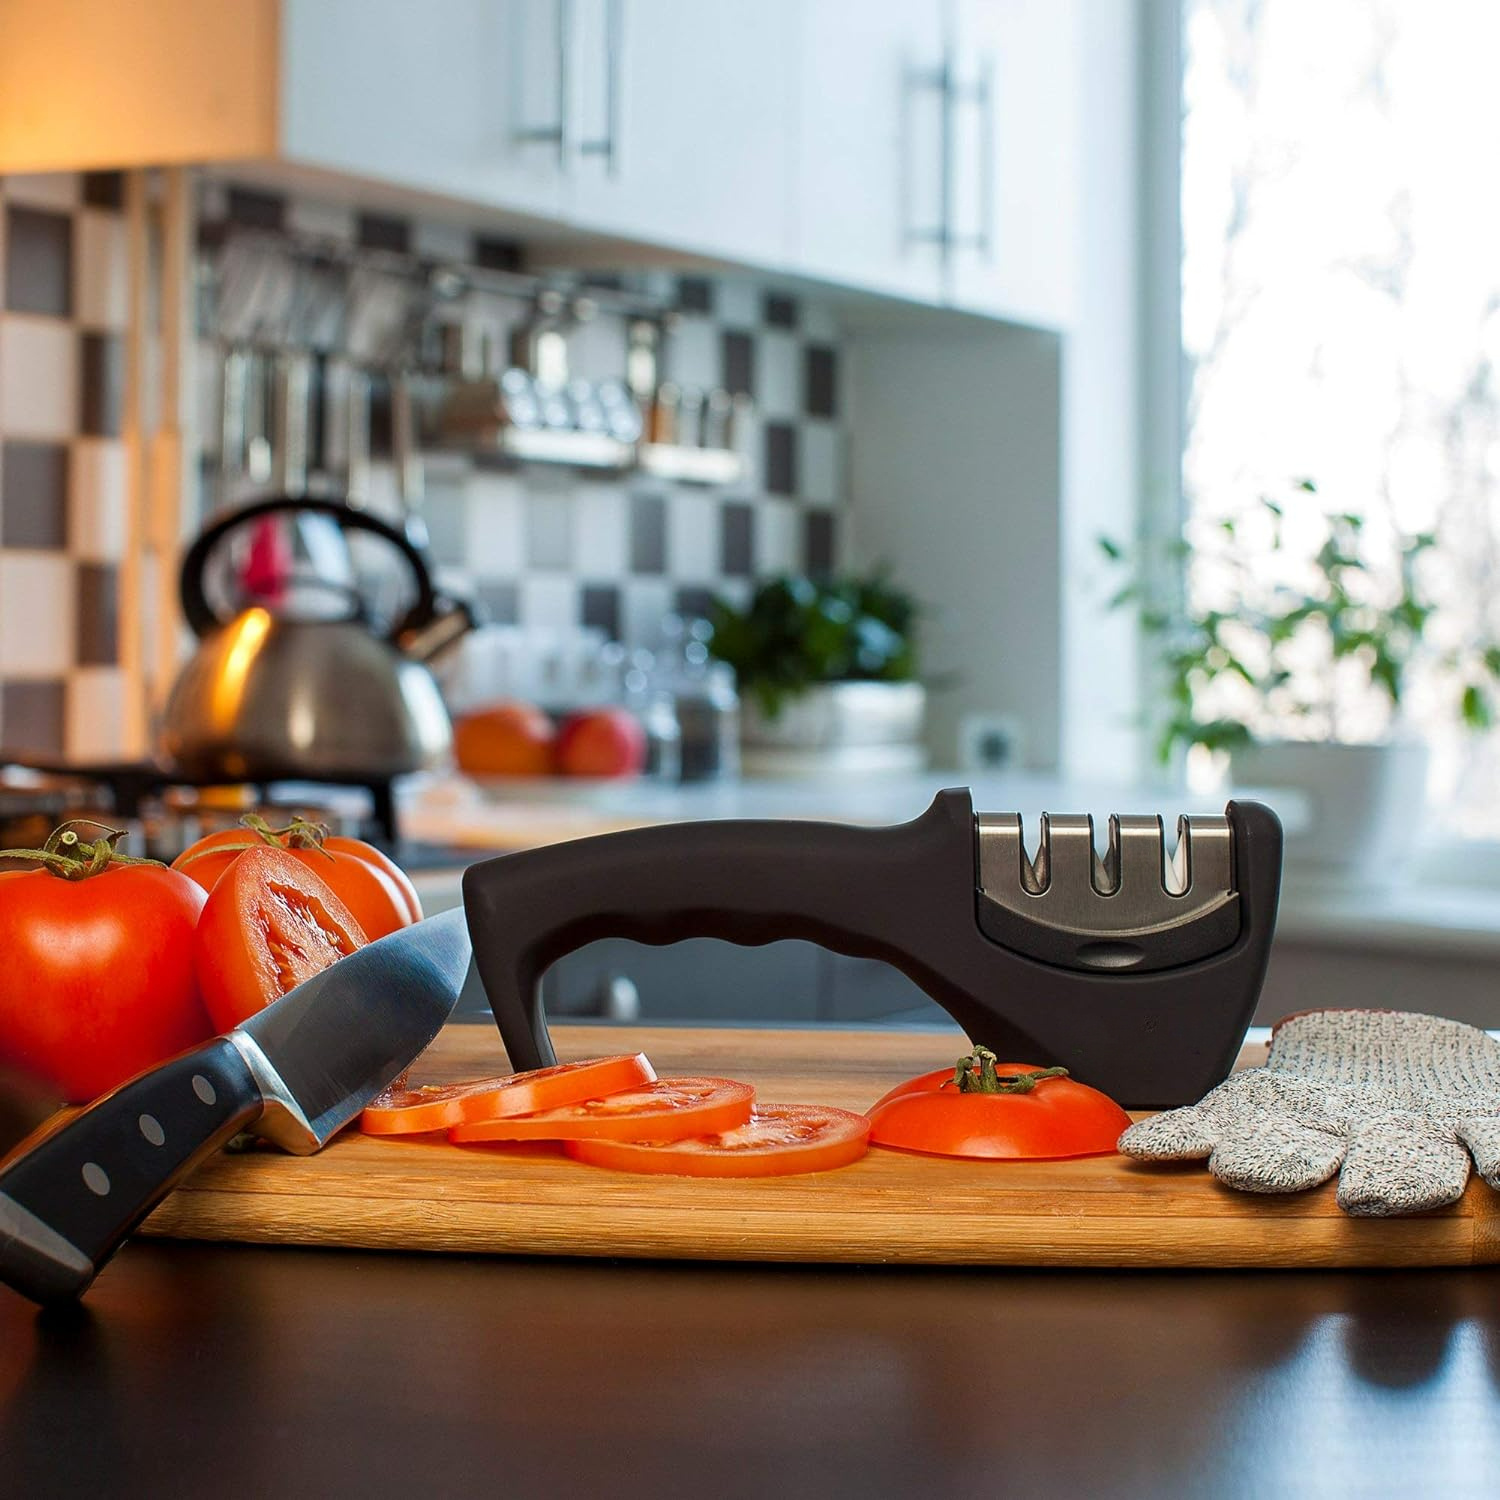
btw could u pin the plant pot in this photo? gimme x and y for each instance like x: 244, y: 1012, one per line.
x: 845, y: 727
x: 1364, y: 803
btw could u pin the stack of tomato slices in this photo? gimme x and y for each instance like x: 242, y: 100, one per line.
x: 615, y: 1112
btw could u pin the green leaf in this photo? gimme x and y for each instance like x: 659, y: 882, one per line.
x: 1281, y: 628
x: 1412, y: 616
x: 798, y: 631
x: 1385, y: 672
x: 1475, y: 708
x: 1111, y: 549
x: 1239, y: 668
x: 1221, y: 734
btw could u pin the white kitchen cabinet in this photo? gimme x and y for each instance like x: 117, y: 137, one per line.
x: 869, y: 157
x: 683, y: 122
x: 459, y: 97
x: 663, y: 121
x: 454, y: 97
x: 1013, y: 159
x: 937, y: 152
x: 920, y: 148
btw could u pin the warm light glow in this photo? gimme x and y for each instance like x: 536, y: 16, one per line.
x: 246, y: 635
x: 93, y: 83
x: 302, y: 721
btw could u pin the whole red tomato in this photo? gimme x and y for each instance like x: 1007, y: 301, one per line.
x: 504, y: 739
x: 601, y: 742
x: 97, y: 980
x: 370, y: 884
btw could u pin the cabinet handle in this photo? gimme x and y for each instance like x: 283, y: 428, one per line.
x: 944, y: 81
x: 604, y: 145
x: 938, y: 80
x: 983, y: 238
x: 557, y: 134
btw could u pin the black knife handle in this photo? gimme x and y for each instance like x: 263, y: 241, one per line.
x: 866, y: 892
x: 68, y: 1202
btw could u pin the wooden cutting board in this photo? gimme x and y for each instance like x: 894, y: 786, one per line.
x: 425, y: 1194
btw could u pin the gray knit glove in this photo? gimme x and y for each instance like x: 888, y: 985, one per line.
x: 1398, y: 1100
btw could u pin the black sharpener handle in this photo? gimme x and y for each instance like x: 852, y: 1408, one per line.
x: 69, y: 1197
x: 866, y: 892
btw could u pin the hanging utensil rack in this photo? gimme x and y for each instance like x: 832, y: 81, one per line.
x: 270, y: 296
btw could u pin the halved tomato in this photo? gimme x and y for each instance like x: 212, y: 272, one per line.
x: 665, y: 1110
x: 776, y: 1141
x: 368, y: 882
x: 403, y: 1111
x: 987, y: 1108
x: 268, y: 924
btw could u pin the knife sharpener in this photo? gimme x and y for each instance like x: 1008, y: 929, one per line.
x: 1137, y: 971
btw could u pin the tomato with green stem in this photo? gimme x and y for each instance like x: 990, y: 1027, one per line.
x: 985, y: 1108
x: 97, y: 982
x: 369, y: 882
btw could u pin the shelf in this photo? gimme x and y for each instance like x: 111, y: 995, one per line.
x: 692, y: 465
x: 597, y: 450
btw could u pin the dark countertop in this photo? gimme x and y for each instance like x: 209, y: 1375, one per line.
x: 232, y: 1371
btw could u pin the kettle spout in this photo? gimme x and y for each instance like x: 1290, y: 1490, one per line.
x: 426, y: 643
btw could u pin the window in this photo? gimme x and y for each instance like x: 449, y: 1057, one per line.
x: 1341, y: 323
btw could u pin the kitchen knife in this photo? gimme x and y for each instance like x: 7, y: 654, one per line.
x: 295, y: 1073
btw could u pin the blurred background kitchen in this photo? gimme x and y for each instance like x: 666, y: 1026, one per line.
x: 691, y: 408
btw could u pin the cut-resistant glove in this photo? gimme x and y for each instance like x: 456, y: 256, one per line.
x: 1398, y: 1101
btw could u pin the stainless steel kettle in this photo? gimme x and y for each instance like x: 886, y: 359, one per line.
x: 272, y: 697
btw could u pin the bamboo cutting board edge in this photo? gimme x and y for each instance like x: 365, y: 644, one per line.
x: 890, y: 1208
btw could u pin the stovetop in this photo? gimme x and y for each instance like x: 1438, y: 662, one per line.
x: 162, y: 812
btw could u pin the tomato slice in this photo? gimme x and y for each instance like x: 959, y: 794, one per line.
x: 1053, y: 1120
x: 665, y: 1110
x: 268, y: 924
x: 403, y: 1111
x: 776, y: 1141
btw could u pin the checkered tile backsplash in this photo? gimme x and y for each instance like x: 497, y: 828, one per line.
x: 538, y: 547
x: 548, y: 548
x: 63, y: 270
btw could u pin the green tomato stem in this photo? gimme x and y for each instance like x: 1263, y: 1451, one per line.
x: 976, y: 1073
x: 70, y: 857
x: 300, y: 833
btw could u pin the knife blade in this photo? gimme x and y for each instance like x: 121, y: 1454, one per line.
x: 295, y: 1073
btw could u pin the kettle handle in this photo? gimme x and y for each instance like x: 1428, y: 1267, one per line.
x: 199, y: 612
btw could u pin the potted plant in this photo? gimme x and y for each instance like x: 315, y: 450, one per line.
x: 826, y: 672
x: 1290, y: 648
